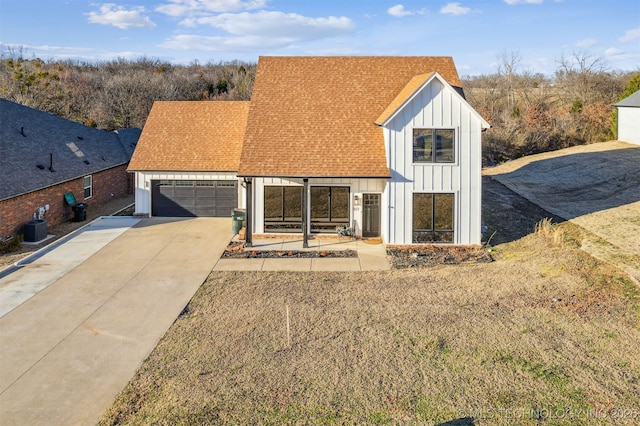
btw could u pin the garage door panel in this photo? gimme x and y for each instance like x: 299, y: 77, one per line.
x: 189, y: 198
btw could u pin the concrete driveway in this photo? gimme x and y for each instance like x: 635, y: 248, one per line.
x: 75, y: 342
x: 596, y: 186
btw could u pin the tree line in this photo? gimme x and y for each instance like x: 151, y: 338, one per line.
x: 528, y: 112
x: 531, y: 113
x: 117, y: 94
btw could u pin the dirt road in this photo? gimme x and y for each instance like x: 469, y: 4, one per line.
x: 596, y: 186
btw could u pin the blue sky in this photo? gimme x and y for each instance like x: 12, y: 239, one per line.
x: 474, y: 32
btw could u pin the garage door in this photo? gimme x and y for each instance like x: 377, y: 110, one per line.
x: 194, y: 197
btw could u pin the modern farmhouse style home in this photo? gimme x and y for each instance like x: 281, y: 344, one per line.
x: 383, y: 146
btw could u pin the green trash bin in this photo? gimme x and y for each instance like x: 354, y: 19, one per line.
x: 238, y: 218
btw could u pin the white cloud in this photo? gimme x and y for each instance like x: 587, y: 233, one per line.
x: 612, y: 51
x: 118, y: 16
x: 260, y: 30
x: 399, y: 11
x: 586, y: 43
x: 455, y: 9
x: 196, y: 7
x: 275, y: 25
x: 523, y: 1
x: 224, y: 44
x: 630, y: 35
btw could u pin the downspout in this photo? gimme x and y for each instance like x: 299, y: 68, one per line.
x: 249, y: 230
x: 305, y: 235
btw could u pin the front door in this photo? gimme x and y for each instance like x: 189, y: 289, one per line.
x: 371, y: 215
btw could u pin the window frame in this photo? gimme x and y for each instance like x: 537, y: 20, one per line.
x: 434, y: 234
x: 283, y: 223
x: 89, y: 187
x: 328, y: 224
x: 435, y: 158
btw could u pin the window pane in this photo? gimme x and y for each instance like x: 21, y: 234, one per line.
x: 320, y: 203
x: 87, y: 181
x: 444, y: 211
x: 292, y: 203
x: 422, y: 145
x: 272, y: 203
x: 444, y: 146
x: 340, y: 204
x: 422, y: 211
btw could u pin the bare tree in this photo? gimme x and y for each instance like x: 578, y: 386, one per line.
x: 579, y: 75
x: 508, y: 64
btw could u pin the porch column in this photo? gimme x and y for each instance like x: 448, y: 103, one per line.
x: 305, y: 236
x: 249, y: 231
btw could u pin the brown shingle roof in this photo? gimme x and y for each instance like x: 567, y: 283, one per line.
x: 192, y: 136
x: 314, y: 116
x: 412, y: 86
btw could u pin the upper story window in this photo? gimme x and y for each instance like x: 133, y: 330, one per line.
x: 434, y: 146
x: 87, y: 184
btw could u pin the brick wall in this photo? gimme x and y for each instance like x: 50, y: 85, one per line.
x: 107, y: 185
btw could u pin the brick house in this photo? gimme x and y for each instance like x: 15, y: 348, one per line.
x: 43, y: 156
x: 386, y: 146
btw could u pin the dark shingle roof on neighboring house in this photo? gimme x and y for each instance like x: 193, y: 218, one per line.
x: 33, y: 143
x: 632, y: 100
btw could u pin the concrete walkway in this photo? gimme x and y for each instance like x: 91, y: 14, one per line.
x: 371, y: 257
x: 70, y: 347
x: 24, y: 283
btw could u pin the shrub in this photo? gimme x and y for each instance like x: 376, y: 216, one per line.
x: 11, y: 245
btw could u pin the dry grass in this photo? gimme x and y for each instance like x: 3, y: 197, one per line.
x: 544, y: 332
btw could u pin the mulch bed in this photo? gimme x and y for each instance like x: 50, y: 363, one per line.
x: 421, y: 256
x: 236, y: 250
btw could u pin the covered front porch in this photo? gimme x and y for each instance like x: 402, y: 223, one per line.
x: 314, y: 208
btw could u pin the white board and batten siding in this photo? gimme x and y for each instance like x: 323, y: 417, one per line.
x: 435, y: 106
x: 143, y: 185
x: 357, y: 187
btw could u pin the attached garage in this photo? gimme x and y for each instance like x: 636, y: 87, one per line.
x: 179, y: 198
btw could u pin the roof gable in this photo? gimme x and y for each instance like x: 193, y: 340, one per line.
x: 314, y: 116
x: 38, y: 149
x: 415, y: 85
x: 632, y: 100
x: 192, y: 136
x: 403, y: 97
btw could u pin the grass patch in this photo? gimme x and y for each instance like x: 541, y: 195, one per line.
x: 11, y: 245
x: 491, y: 343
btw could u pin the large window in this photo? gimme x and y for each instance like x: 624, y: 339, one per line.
x: 87, y: 184
x: 433, y: 146
x: 329, y: 208
x: 283, y: 209
x: 433, y: 218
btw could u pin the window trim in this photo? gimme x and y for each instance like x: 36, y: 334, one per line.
x: 89, y: 187
x: 328, y: 226
x: 286, y: 226
x: 433, y: 230
x: 433, y: 146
